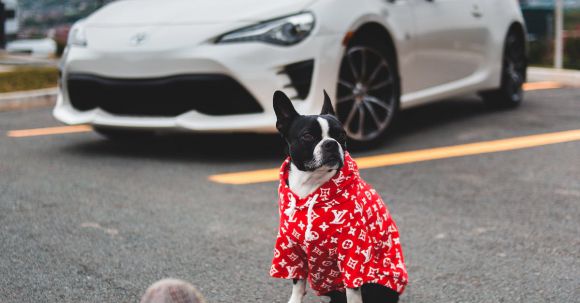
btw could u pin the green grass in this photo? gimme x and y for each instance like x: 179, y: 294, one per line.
x: 22, y: 79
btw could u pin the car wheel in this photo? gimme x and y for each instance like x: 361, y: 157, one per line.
x: 117, y: 134
x: 367, y: 92
x: 513, y: 75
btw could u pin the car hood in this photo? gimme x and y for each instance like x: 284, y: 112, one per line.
x: 168, y: 12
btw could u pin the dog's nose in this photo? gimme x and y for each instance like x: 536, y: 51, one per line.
x: 330, y: 145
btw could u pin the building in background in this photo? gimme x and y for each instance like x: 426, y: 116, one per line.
x: 549, y: 3
x: 540, y: 22
x: 539, y: 15
x: 12, y: 23
x: 41, y: 27
x: 40, y: 17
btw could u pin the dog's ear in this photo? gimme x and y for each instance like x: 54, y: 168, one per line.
x: 285, y: 112
x: 327, y: 107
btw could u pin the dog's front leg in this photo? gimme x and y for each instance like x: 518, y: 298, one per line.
x: 353, y: 295
x: 298, y: 291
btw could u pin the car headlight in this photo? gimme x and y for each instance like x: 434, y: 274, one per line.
x: 284, y: 31
x: 76, y: 35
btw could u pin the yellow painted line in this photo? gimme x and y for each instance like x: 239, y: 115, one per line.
x: 266, y: 175
x: 49, y: 131
x: 247, y: 177
x: 541, y: 85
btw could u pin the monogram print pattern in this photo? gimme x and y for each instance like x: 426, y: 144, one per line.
x: 355, y: 240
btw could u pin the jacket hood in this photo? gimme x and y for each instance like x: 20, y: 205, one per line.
x: 168, y: 12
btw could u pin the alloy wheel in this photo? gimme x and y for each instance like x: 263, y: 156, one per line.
x: 366, y: 93
x: 514, y: 68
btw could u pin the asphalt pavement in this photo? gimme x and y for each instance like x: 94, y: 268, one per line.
x: 83, y: 219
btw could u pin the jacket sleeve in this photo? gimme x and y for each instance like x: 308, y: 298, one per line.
x: 387, y: 246
x: 371, y: 251
x: 394, y: 268
x: 289, y: 260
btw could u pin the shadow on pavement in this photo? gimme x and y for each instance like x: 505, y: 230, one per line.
x: 248, y: 147
x: 208, y: 147
x: 438, y: 115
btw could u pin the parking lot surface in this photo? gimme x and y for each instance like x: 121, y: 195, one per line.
x: 83, y: 219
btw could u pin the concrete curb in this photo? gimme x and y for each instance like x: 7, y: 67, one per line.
x: 566, y: 77
x: 28, y: 99
x: 25, y: 60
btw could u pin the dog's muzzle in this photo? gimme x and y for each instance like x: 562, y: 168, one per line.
x: 332, y: 154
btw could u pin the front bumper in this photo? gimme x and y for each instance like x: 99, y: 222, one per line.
x: 259, y: 68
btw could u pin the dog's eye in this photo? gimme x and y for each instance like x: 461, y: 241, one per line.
x: 307, y: 137
x: 342, y: 136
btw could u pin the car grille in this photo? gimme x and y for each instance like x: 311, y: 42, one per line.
x: 216, y: 95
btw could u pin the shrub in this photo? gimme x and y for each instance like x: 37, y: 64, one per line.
x: 541, y: 53
x: 572, y: 53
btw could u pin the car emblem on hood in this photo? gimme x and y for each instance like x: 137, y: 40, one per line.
x: 138, y: 39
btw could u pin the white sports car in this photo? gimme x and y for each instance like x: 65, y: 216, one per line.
x: 212, y: 66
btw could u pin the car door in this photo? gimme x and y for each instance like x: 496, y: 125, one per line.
x: 450, y: 43
x: 398, y: 16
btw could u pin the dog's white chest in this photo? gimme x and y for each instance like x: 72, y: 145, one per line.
x: 304, y: 183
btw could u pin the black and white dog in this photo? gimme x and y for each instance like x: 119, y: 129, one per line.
x: 334, y: 229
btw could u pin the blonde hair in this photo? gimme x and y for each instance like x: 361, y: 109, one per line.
x: 172, y: 291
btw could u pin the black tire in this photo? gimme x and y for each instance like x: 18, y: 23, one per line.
x: 118, y: 134
x: 368, y: 87
x: 513, y: 74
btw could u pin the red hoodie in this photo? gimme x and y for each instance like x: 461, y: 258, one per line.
x: 341, y: 235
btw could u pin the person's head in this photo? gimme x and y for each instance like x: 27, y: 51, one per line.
x: 172, y: 291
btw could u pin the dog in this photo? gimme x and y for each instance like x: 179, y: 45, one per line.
x: 334, y: 228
